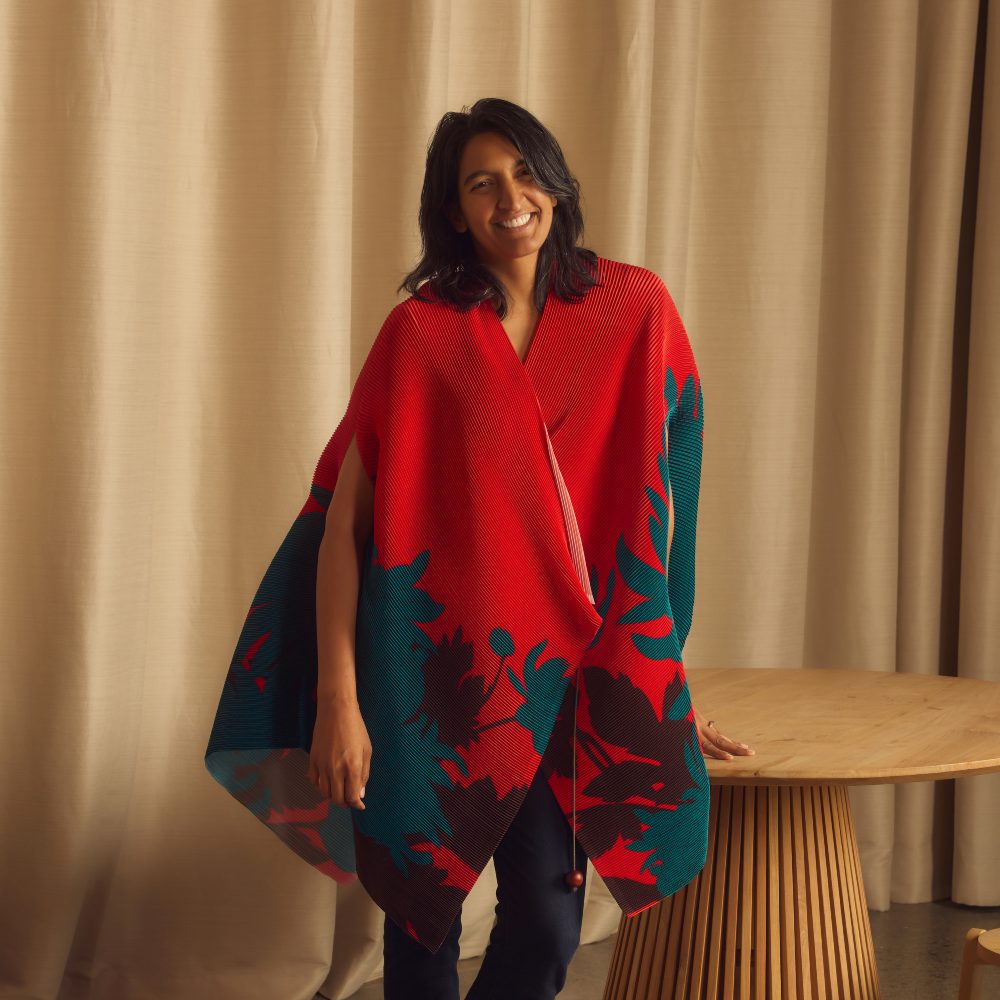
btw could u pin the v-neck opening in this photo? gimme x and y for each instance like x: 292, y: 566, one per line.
x: 533, y: 343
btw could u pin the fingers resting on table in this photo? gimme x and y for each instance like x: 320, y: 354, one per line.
x: 715, y: 743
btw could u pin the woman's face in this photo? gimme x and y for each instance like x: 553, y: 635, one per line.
x: 494, y: 187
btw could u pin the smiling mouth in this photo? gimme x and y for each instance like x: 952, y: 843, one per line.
x: 517, y: 229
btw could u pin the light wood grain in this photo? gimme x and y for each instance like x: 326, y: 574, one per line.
x: 849, y: 726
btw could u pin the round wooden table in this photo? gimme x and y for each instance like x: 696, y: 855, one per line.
x: 779, y: 912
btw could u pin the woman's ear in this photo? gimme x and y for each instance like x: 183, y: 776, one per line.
x: 457, y: 220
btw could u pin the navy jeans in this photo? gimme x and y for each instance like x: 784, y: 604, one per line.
x: 538, y: 922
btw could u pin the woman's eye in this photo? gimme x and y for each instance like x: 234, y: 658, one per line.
x: 524, y: 173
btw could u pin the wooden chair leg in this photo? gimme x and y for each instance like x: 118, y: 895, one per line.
x: 968, y: 963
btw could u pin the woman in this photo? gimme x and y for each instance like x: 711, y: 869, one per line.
x: 484, y: 557
x: 490, y: 226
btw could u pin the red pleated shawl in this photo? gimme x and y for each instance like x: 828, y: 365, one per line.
x: 516, y: 609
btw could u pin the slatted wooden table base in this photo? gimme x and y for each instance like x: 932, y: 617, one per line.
x: 778, y: 912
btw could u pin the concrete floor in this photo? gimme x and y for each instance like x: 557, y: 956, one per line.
x: 917, y: 946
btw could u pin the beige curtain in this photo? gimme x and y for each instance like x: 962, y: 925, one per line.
x: 206, y: 207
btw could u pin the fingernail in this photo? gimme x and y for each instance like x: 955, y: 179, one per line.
x: 362, y: 791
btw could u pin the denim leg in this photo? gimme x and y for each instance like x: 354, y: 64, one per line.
x: 538, y: 916
x: 412, y: 972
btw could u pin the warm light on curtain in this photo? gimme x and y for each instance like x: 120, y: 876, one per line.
x: 206, y: 209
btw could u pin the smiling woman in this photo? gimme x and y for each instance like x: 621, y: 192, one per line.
x: 486, y: 168
x: 496, y: 557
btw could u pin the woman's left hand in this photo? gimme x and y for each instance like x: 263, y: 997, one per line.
x: 716, y: 744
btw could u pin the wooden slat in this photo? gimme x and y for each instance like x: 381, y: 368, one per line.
x: 847, y: 894
x: 824, y: 872
x: 797, y: 850
x: 838, y: 793
x: 733, y: 899
x: 657, y: 953
x: 786, y: 884
x: 760, y: 898
x: 687, y: 938
x: 671, y: 976
x: 718, y: 846
x: 640, y: 977
x: 639, y: 953
x: 868, y: 972
x: 698, y: 945
x: 748, y: 891
x: 815, y: 929
x: 773, y: 897
x: 845, y: 989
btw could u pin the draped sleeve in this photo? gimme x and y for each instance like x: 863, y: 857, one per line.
x: 685, y: 436
x: 259, y: 745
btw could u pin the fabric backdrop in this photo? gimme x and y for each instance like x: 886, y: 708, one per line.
x: 206, y: 208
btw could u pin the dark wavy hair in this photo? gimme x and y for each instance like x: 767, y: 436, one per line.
x: 448, y: 260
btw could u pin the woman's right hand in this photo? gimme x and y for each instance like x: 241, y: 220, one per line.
x: 340, y: 757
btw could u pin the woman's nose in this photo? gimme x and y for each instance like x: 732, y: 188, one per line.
x: 510, y: 195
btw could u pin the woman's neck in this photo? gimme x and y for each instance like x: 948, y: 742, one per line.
x: 518, y: 279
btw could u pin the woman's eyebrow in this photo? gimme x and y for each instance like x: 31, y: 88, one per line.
x: 476, y: 173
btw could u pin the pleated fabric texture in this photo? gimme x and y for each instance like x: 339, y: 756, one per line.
x: 517, y: 575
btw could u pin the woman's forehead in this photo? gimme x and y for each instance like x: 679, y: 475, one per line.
x: 492, y: 147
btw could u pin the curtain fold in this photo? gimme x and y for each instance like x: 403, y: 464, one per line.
x: 976, y: 526
x: 207, y: 208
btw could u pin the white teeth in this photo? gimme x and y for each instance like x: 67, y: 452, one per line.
x: 515, y: 223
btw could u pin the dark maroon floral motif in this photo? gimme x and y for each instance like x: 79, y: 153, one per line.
x: 409, y: 891
x: 462, y: 805
x: 452, y: 695
x: 600, y: 826
x: 622, y: 715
